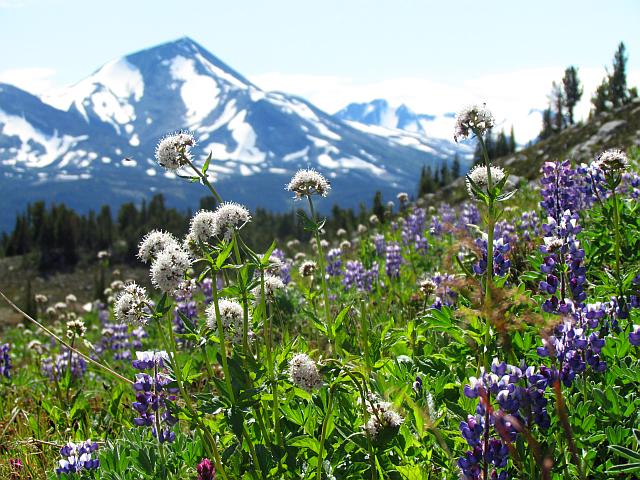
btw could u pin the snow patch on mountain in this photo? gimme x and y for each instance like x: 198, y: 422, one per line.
x: 36, y: 150
x: 199, y: 92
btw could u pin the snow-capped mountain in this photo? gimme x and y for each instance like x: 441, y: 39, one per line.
x: 71, y: 146
x: 382, y: 114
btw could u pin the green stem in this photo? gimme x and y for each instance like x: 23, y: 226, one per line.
x: 270, y: 361
x: 364, y: 323
x: 323, y: 279
x: 210, y: 443
x: 490, y: 234
x: 618, y: 243
x: 204, y: 180
x: 245, y: 304
x: 221, y: 337
x: 323, y: 434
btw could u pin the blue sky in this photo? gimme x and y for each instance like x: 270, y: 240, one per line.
x: 332, y: 51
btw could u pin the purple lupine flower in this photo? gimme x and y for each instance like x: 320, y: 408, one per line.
x: 444, y: 295
x: 379, y: 243
x: 634, y: 336
x: 576, y: 344
x: 563, y: 265
x: 563, y: 189
x: 78, y: 457
x: 116, y: 338
x: 285, y: 265
x: 528, y: 226
x: 501, y: 264
x: 518, y: 392
x: 152, y: 392
x: 55, y: 367
x: 150, y: 359
x: 469, y: 215
x: 413, y: 229
x: 393, y: 260
x: 5, y: 361
x: 206, y: 470
x: 334, y: 262
x: 356, y: 275
x: 185, y: 309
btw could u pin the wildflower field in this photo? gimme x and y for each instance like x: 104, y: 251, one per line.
x: 496, y: 339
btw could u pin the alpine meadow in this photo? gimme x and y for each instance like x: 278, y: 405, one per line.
x: 204, y: 279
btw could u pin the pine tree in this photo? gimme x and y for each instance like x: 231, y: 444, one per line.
x: 502, y: 145
x: 600, y: 99
x: 378, y: 207
x: 572, y: 91
x: 557, y: 104
x: 547, y: 127
x: 512, y: 141
x: 455, y: 167
x: 618, y: 79
x: 445, y: 174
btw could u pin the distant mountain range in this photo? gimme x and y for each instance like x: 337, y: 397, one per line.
x: 380, y: 113
x: 71, y: 147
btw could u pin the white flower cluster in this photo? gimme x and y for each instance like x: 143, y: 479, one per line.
x: 76, y: 328
x: 203, y: 226
x: 427, y: 286
x: 271, y: 285
x: 231, y: 315
x: 168, y: 269
x: 403, y: 197
x: 308, y: 268
x: 308, y: 182
x: 478, y: 175
x: 384, y: 422
x: 173, y: 152
x: 153, y: 243
x: 131, y: 305
x: 612, y: 161
x: 473, y: 119
x: 230, y: 216
x: 303, y: 372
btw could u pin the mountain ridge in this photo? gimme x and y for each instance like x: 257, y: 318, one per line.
x: 71, y: 146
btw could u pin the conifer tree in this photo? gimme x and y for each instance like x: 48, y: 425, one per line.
x: 572, y: 91
x: 618, y: 93
x: 455, y: 167
x: 512, y: 141
x: 600, y: 99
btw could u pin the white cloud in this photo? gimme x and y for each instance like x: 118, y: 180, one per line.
x: 35, y: 80
x: 510, y: 95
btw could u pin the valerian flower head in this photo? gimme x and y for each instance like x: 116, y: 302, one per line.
x: 231, y: 315
x: 308, y: 268
x: 427, y: 286
x: 478, y: 175
x: 76, y: 328
x: 614, y: 160
x: 203, y: 226
x: 474, y: 119
x: 229, y: 217
x: 303, y: 372
x: 131, y: 305
x: 403, y: 197
x: 308, y: 182
x: 272, y: 284
x: 384, y: 422
x: 153, y: 243
x: 168, y: 270
x: 173, y: 151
